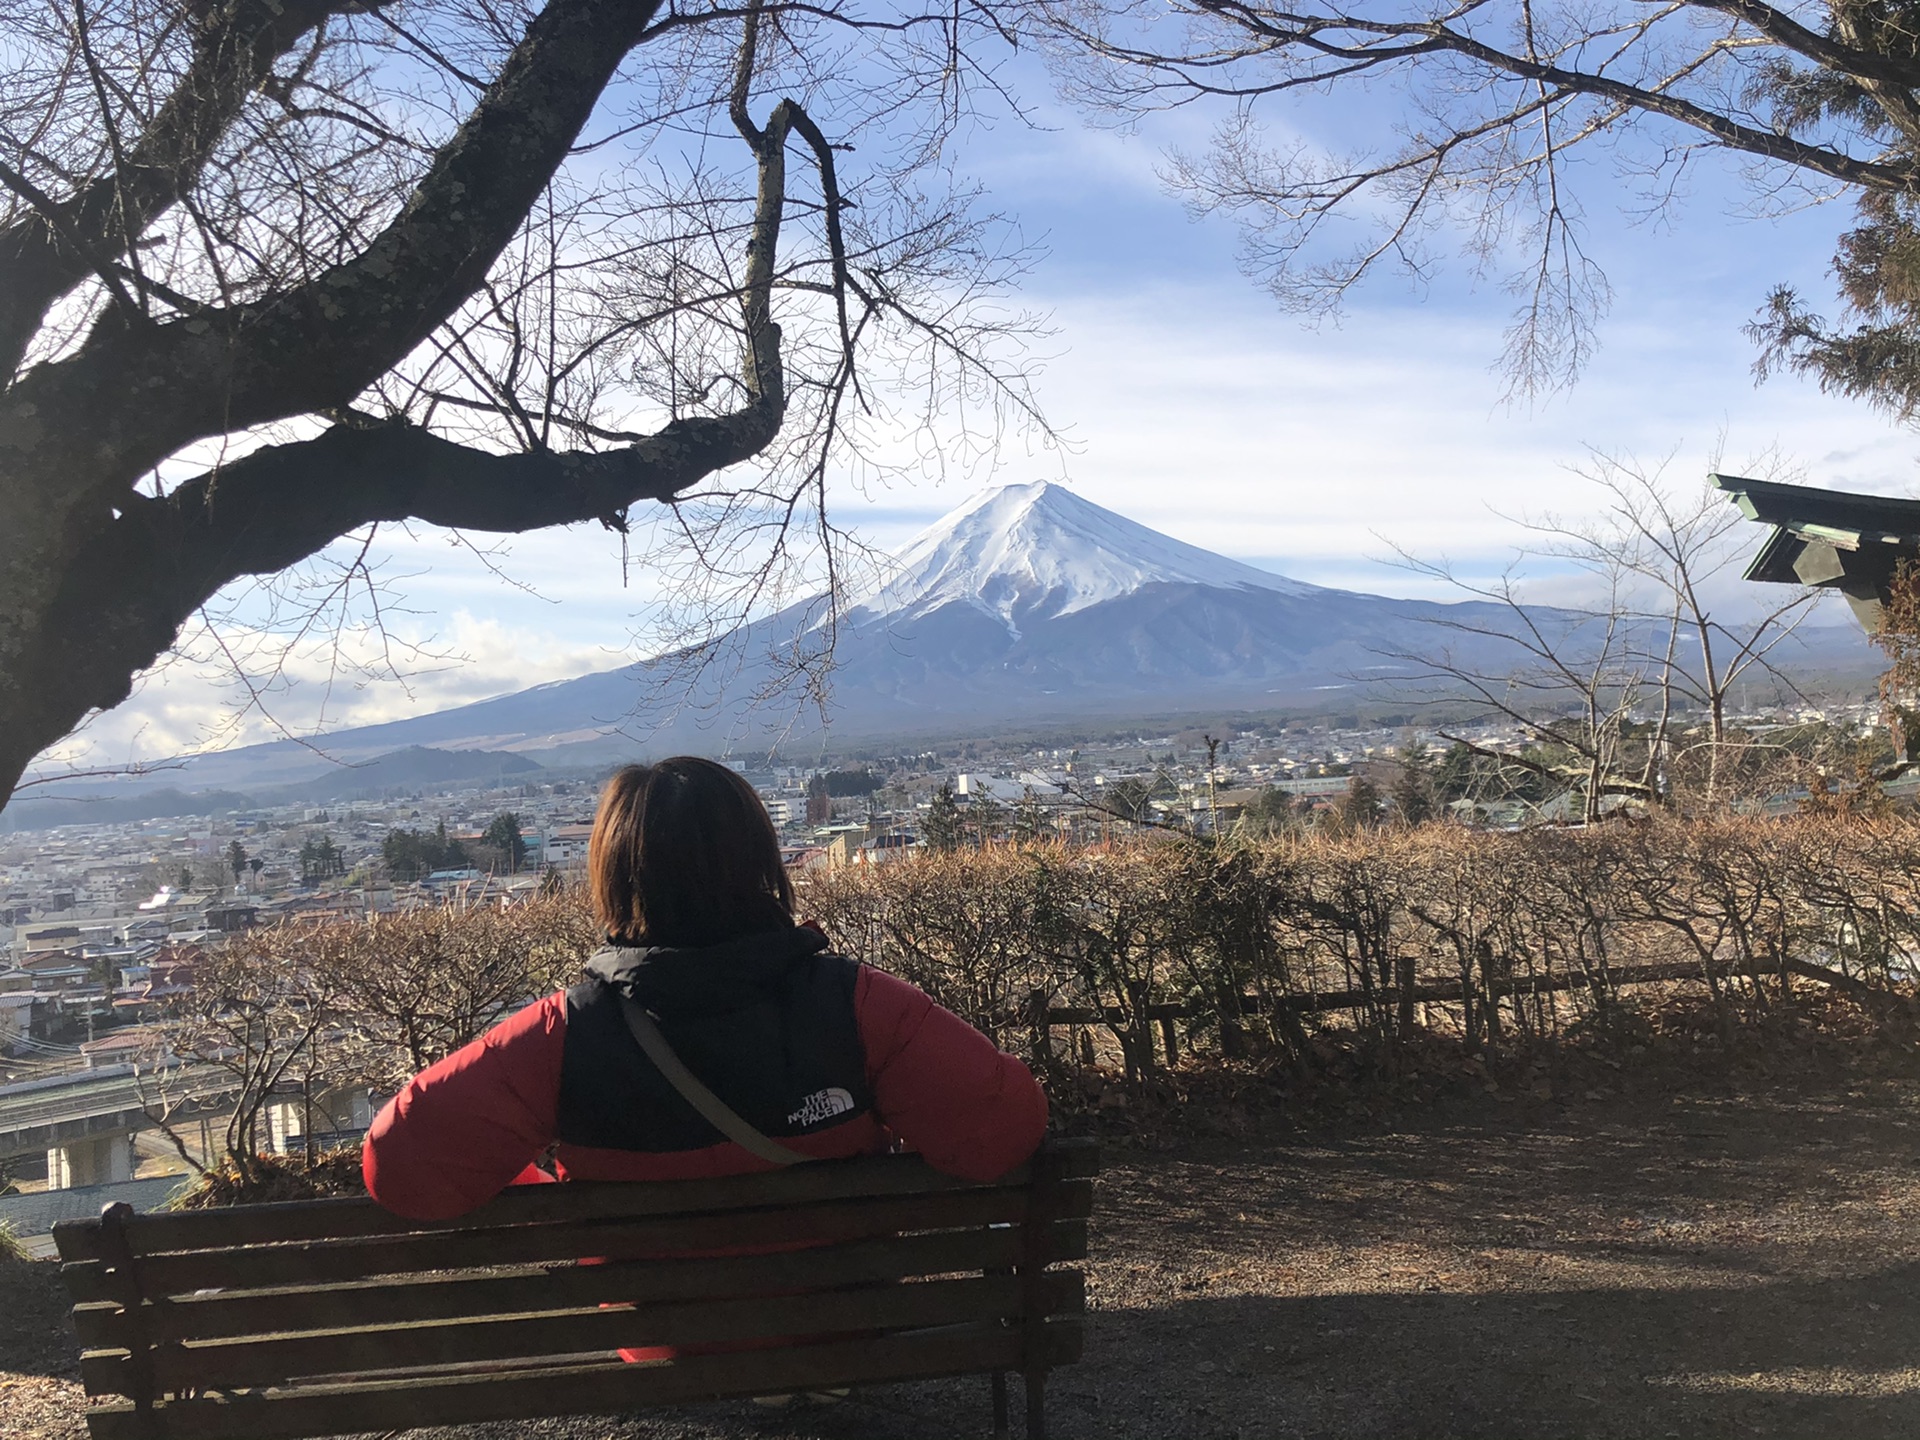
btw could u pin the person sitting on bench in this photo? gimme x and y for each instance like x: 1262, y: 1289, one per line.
x: 712, y: 1035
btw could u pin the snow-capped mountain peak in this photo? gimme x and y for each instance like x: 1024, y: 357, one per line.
x: 1038, y: 551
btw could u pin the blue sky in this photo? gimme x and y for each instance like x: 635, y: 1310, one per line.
x: 1194, y: 405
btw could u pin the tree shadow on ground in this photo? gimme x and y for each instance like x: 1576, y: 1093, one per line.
x: 36, y: 1337
x: 1701, y: 1267
x: 1790, y: 1359
x: 1472, y: 1179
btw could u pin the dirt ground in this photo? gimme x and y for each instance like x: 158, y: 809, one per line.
x: 1692, y: 1266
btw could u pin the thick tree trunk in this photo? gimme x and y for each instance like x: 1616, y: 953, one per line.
x: 36, y: 550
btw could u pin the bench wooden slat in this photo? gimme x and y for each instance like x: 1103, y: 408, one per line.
x: 588, y: 1389
x: 548, y: 1204
x: 360, y: 1218
x: 231, y: 1364
x: 397, y: 1301
x: 1066, y: 1158
x: 221, y: 1315
x: 253, y: 1267
x: 101, y: 1325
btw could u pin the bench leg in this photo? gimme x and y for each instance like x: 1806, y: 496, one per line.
x: 999, y: 1405
x: 1036, y: 1405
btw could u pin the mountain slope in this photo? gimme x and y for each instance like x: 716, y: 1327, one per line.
x: 1027, y: 605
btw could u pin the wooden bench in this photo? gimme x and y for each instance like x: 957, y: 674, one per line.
x: 330, y: 1317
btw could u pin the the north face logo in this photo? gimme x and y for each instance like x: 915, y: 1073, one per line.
x: 822, y: 1105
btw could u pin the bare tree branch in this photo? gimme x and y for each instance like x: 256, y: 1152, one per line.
x: 234, y: 49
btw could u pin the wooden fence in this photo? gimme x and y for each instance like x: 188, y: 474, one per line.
x: 1164, y: 1016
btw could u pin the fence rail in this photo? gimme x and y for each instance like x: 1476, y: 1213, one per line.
x: 1453, y: 993
x: 1164, y: 1015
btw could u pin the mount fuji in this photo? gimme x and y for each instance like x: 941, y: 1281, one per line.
x: 1029, y: 605
x: 1026, y: 553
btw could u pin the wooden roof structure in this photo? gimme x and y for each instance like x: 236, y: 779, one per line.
x: 1831, y: 539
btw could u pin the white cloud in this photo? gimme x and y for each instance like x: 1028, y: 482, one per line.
x: 195, y: 702
x: 1202, y: 412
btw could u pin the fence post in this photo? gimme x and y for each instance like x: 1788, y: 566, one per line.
x: 1233, y: 1041
x: 1042, y: 1032
x: 1137, y: 1040
x: 1170, y: 1038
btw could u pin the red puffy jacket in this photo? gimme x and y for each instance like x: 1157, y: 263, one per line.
x: 464, y: 1129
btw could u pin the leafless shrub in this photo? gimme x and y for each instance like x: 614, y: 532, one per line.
x: 311, y: 1010
x: 1505, y: 940
x: 419, y: 985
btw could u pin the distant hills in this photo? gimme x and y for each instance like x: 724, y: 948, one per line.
x: 1027, y: 607
x: 414, y: 769
x: 418, y: 767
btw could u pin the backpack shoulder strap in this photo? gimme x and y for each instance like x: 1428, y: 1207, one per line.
x: 715, y: 1110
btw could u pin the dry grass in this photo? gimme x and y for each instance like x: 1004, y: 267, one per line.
x: 275, y: 1177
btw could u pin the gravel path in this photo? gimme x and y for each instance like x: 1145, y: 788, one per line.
x: 1697, y: 1267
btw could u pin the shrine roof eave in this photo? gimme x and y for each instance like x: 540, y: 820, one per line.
x: 1808, y: 506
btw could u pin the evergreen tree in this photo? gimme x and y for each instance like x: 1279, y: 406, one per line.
x: 847, y: 783
x: 1031, y: 823
x: 321, y: 859
x: 1413, y: 797
x: 942, y: 828
x: 236, y: 859
x: 410, y: 854
x: 1130, y: 799
x: 989, y: 819
x: 401, y: 854
x: 503, y: 834
x: 1875, y: 357
x: 819, y: 801
x: 1133, y: 798
x: 1360, y: 807
x: 1270, y: 812
x: 1453, y: 777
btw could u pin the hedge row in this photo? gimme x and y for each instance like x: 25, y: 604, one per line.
x: 1148, y: 952
x: 1164, y: 947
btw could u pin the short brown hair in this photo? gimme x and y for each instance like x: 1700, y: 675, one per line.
x: 683, y: 854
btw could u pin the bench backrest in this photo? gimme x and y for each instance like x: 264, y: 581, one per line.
x: 333, y: 1316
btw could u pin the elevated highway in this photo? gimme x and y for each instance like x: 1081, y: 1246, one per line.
x: 81, y: 1122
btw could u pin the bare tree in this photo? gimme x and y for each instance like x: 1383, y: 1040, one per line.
x: 262, y: 1014
x: 1606, y: 686
x: 1569, y: 680
x: 275, y: 273
x: 1680, y: 545
x: 1499, y: 105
